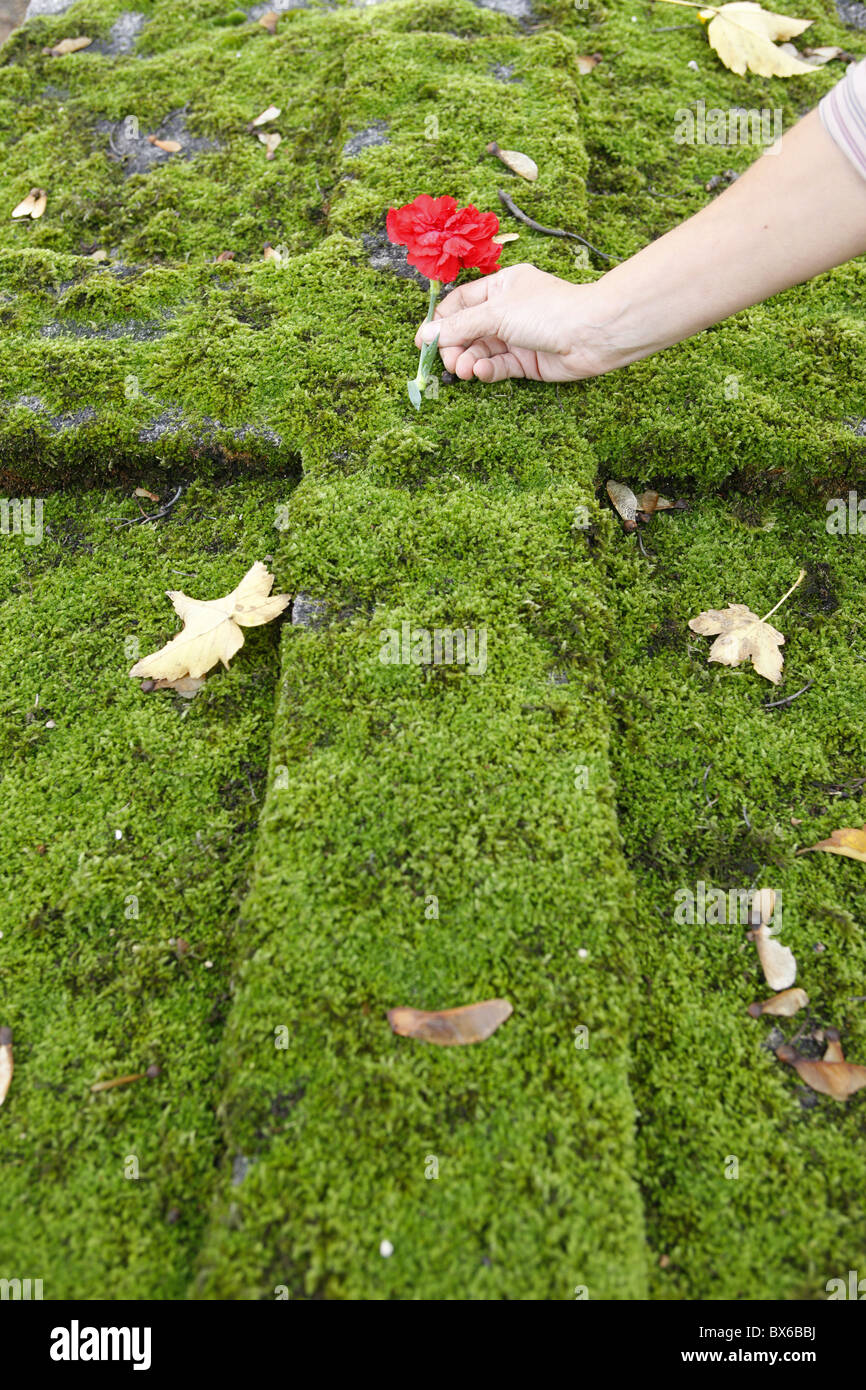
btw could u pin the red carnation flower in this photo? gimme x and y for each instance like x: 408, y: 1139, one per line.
x: 443, y: 239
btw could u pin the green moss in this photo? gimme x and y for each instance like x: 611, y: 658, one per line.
x: 89, y: 980
x: 711, y: 786
x: 394, y: 787
x: 389, y: 786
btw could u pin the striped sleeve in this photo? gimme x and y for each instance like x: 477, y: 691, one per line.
x: 843, y: 112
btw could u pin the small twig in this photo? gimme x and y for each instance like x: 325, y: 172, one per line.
x: 777, y: 704
x: 528, y: 221
x: 152, y: 516
x: 746, y: 818
x: 642, y: 548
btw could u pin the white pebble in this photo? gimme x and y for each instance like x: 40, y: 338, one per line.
x: 49, y: 724
x: 208, y: 965
x: 386, y: 1248
x: 118, y: 834
x: 583, y: 953
x: 693, y: 65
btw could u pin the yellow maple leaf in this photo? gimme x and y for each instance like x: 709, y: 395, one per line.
x: 212, y: 627
x: 742, y: 636
x: 744, y: 35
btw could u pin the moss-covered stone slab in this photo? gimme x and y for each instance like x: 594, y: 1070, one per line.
x: 128, y: 826
x: 434, y: 834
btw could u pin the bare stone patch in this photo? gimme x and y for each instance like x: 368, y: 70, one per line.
x: 56, y: 423
x: 129, y: 144
x: 278, y: 7
x: 172, y: 421
x: 374, y: 134
x: 139, y: 329
x: 308, y: 612
x: 44, y: 7
x: 121, y: 36
x: 515, y: 9
x: 504, y: 72
x: 852, y: 13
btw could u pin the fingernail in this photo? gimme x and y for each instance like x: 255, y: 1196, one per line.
x: 429, y: 331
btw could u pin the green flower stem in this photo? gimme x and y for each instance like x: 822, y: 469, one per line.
x: 418, y: 386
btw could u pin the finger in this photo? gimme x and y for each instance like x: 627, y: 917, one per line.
x: 486, y: 347
x: 467, y: 296
x: 464, y: 327
x: 497, y: 368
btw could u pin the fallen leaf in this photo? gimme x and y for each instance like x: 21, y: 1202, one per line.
x: 515, y: 161
x: 271, y: 140
x: 827, y: 54
x: 212, y: 628
x: 847, y: 841
x: 6, y: 1063
x: 223, y: 257
x: 187, y: 686
x: 586, y: 62
x: 625, y: 504
x: 832, y: 1075
x: 98, y: 255
x: 169, y: 146
x: 745, y: 37
x: 745, y: 636
x: 33, y: 205
x: 67, y: 46
x: 269, y: 21
x: 651, y: 502
x: 143, y: 492
x: 270, y: 114
x: 783, y: 1005
x: 125, y: 1080
x: 270, y: 253
x: 777, y: 961
x: 471, y: 1023
x: 504, y: 237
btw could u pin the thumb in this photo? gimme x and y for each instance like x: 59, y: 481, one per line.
x: 458, y: 330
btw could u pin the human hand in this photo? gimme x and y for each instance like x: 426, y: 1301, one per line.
x: 521, y: 322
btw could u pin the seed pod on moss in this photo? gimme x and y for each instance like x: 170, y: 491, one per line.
x: 6, y: 1063
x: 625, y: 504
x: 515, y: 161
x: 783, y: 1005
x: 832, y: 1076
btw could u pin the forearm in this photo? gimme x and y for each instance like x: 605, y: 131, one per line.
x: 789, y: 217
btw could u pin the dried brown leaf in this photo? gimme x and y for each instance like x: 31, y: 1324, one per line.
x: 504, y: 237
x: 269, y: 21
x: 743, y: 636
x: 169, y: 146
x: 143, y: 492
x: 471, y: 1023
x: 848, y: 841
x: 832, y: 1075
x: 586, y: 62
x: 6, y: 1063
x: 269, y: 114
x: 783, y: 1005
x: 33, y: 205
x: 68, y: 46
x: 517, y: 162
x: 625, y: 504
x: 270, y: 140
x: 651, y: 502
